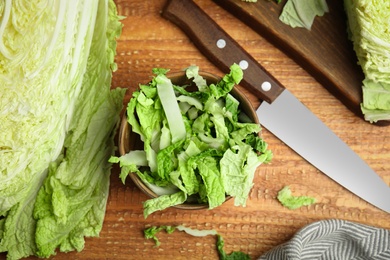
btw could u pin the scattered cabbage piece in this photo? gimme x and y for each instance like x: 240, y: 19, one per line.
x: 301, y: 13
x: 197, y: 232
x: 235, y: 255
x: 368, y: 27
x: 151, y: 233
x: 286, y: 198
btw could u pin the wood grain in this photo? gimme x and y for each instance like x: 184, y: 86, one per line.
x: 149, y: 41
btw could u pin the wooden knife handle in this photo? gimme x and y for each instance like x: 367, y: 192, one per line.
x: 220, y: 48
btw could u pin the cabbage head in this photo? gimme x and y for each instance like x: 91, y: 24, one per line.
x: 57, y: 120
x: 368, y: 27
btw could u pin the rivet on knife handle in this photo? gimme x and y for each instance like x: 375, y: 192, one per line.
x: 220, y: 48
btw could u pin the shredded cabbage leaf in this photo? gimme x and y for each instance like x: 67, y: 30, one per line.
x: 301, y: 13
x: 194, y: 143
x: 290, y: 201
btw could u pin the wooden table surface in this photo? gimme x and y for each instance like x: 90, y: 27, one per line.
x: 149, y: 41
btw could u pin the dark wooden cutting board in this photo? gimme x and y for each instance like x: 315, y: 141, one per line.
x: 325, y: 51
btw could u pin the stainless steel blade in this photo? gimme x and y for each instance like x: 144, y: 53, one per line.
x: 289, y: 120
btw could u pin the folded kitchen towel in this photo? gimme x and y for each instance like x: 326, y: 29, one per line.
x: 334, y: 239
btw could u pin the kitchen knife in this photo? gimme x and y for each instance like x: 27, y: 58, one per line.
x: 280, y: 112
x: 324, y: 51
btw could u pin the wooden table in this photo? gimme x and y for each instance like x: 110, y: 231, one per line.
x: 150, y: 41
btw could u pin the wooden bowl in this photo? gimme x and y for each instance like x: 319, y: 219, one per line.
x: 129, y: 140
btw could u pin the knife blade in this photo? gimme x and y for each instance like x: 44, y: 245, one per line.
x: 281, y: 113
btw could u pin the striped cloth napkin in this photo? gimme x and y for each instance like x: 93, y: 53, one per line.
x: 334, y: 239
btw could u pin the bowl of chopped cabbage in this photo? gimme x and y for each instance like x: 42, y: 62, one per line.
x: 190, y: 140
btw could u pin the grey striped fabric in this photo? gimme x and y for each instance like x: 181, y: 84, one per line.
x: 334, y: 240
